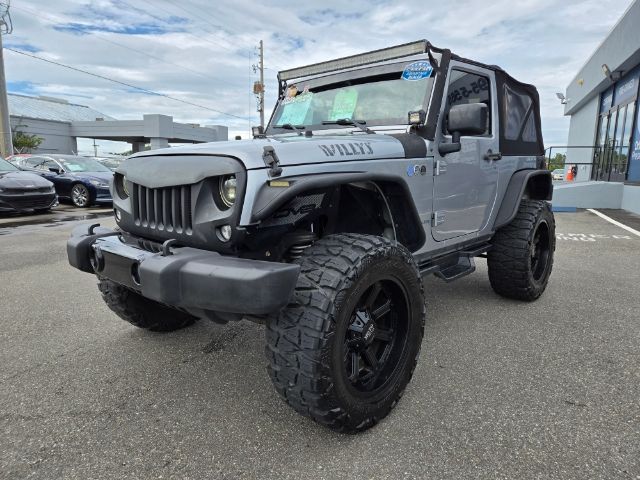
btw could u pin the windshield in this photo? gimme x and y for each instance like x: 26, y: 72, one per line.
x: 6, y: 166
x: 110, y: 163
x: 82, y: 165
x: 382, y: 99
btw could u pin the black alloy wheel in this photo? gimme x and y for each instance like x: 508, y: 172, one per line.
x: 376, y: 336
x: 540, y: 251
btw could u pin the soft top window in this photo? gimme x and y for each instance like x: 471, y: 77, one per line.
x: 468, y: 87
x: 520, y: 129
x: 517, y: 109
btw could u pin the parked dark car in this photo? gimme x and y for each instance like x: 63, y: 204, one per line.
x: 24, y: 191
x: 82, y: 180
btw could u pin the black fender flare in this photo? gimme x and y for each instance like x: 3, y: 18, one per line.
x: 270, y: 199
x: 530, y: 183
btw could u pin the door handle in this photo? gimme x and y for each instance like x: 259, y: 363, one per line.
x: 492, y: 156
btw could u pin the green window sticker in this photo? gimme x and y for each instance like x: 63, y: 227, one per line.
x: 295, y: 110
x: 344, y: 104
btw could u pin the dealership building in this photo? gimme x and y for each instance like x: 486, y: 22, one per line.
x: 602, y: 101
x: 60, y: 123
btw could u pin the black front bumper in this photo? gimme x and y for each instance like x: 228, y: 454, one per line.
x: 27, y: 202
x: 188, y: 278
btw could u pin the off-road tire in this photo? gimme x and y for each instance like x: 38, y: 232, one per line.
x: 514, y: 271
x: 306, y: 342
x: 140, y: 311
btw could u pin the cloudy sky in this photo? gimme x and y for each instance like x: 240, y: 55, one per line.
x: 202, y: 51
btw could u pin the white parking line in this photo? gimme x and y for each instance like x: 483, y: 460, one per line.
x: 615, y: 222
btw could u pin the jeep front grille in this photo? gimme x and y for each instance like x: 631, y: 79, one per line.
x: 164, y: 209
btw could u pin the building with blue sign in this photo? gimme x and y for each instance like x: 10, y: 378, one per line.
x: 602, y: 100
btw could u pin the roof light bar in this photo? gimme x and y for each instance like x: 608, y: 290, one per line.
x: 374, y: 56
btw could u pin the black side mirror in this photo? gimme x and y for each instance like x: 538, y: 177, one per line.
x: 55, y: 170
x: 465, y: 119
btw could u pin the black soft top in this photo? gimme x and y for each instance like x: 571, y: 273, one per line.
x: 519, y: 111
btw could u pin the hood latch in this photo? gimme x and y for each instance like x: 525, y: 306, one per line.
x: 272, y: 161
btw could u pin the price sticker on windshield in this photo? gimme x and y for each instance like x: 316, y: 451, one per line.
x: 344, y: 104
x: 417, y: 71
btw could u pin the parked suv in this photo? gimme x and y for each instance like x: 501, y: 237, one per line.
x: 374, y: 170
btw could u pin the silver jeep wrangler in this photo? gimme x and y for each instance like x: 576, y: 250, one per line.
x: 374, y: 170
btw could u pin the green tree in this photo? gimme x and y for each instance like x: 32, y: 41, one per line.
x: 557, y: 161
x: 24, y: 143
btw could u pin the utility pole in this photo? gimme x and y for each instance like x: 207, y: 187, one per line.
x: 258, y: 87
x: 6, y: 143
x: 95, y: 148
x: 262, y: 84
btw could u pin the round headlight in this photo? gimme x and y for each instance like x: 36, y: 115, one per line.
x: 228, y: 190
x: 120, y: 182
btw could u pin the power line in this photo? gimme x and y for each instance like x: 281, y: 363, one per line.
x: 124, y: 83
x: 154, y: 5
x: 52, y: 20
x: 198, y: 15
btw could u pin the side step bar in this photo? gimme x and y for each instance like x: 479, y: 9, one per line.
x: 455, y: 265
x: 464, y: 267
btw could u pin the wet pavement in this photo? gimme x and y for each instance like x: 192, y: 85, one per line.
x: 57, y: 217
x: 503, y: 389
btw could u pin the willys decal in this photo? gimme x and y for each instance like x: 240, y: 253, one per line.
x: 347, y: 149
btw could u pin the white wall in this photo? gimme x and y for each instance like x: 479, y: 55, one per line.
x: 597, y: 195
x: 620, y: 51
x: 631, y: 198
x: 588, y: 195
x: 56, y: 135
x: 582, y: 131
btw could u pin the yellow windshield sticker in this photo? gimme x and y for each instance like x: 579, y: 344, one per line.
x: 294, y: 109
x: 344, y: 104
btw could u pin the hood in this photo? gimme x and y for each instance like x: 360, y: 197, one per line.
x: 23, y: 180
x: 297, y: 149
x: 100, y: 176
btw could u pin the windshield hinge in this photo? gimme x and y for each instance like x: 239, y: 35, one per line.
x: 272, y: 161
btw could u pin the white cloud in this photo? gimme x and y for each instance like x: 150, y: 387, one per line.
x: 202, y: 51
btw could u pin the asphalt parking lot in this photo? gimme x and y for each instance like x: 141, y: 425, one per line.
x: 60, y: 214
x: 503, y: 389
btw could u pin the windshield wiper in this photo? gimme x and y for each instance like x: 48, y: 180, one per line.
x: 288, y: 126
x: 348, y: 121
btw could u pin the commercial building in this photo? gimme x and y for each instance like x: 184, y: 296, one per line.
x: 602, y: 100
x: 60, y: 123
